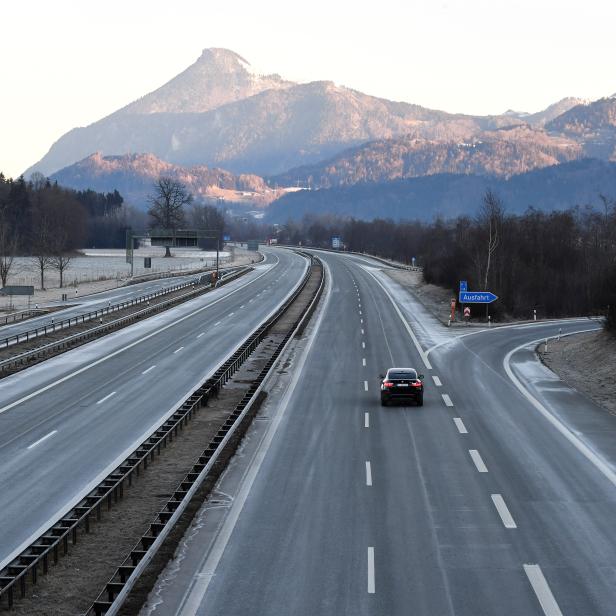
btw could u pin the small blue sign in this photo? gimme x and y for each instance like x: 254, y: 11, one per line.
x: 463, y: 286
x: 226, y: 238
x: 477, y: 297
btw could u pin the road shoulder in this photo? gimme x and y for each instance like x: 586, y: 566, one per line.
x: 586, y: 362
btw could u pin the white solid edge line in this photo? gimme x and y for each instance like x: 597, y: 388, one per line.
x: 368, y: 473
x: 149, y: 369
x: 371, y: 585
x: 519, y: 326
x: 422, y: 354
x: 365, y: 385
x: 542, y: 590
x: 129, y: 346
x: 42, y: 439
x: 584, y: 449
x: 194, y: 596
x: 366, y: 419
x: 477, y: 459
x: 460, y: 425
x: 503, y: 511
x: 447, y: 400
x: 437, y: 381
x: 106, y: 397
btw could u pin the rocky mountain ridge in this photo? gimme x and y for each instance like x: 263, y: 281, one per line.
x: 133, y: 175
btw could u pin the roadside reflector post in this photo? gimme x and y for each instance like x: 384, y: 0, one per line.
x: 560, y: 331
x: 534, y: 314
x: 489, y: 321
x: 546, y: 345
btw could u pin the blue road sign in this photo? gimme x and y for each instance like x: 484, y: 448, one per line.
x: 463, y: 286
x: 477, y: 297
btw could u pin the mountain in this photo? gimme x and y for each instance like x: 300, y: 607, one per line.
x: 449, y: 195
x: 541, y: 118
x: 218, y: 77
x: 220, y: 113
x: 503, y: 152
x: 133, y: 175
x: 593, y: 125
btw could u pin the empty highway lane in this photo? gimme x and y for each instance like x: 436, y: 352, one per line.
x: 495, y: 497
x: 65, y: 423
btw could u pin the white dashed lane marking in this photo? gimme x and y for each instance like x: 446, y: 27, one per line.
x: 42, y: 439
x: 477, y: 459
x: 503, y: 511
x: 542, y: 590
x: 437, y: 381
x: 447, y: 400
x: 106, y: 397
x: 460, y: 425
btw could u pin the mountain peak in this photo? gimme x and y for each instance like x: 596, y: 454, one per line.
x: 219, y: 76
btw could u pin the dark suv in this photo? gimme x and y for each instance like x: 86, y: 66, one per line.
x: 402, y: 384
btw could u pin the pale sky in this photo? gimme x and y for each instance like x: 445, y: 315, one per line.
x: 67, y: 63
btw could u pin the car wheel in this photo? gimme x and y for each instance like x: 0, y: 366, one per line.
x: 420, y: 400
x: 383, y: 402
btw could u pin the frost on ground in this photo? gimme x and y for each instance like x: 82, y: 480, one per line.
x: 437, y: 300
x: 587, y: 362
x: 103, y: 269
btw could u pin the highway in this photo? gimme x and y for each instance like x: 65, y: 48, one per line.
x: 496, y: 497
x: 67, y: 422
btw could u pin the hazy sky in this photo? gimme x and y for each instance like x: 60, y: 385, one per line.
x: 67, y: 63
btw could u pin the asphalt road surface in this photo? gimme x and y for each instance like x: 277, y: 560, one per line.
x: 67, y: 422
x: 496, y: 497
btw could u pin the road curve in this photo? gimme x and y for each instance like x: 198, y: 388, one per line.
x: 480, y: 502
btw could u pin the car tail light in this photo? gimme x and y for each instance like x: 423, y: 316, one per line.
x: 387, y: 384
x: 416, y: 383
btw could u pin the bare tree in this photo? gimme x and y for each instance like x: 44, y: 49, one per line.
x: 8, y: 247
x: 491, y: 220
x: 42, y: 241
x: 61, y: 258
x: 167, y: 203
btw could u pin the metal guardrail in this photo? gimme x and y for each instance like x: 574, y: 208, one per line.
x: 69, y: 341
x: 47, y: 547
x: 13, y: 317
x: 116, y: 591
x: 54, y: 326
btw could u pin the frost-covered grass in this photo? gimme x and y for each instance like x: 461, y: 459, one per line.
x: 110, y: 264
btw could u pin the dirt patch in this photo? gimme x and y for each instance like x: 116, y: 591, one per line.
x: 588, y: 363
x: 437, y: 300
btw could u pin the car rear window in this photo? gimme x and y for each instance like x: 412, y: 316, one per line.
x: 407, y: 374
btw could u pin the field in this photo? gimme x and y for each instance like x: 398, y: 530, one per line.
x: 100, y: 269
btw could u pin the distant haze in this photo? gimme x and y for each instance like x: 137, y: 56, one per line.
x: 67, y: 63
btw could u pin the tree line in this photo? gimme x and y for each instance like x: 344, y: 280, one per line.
x: 47, y: 222
x: 559, y: 263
